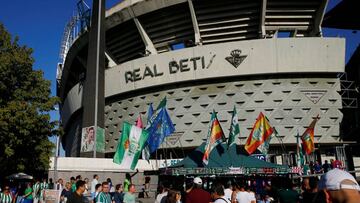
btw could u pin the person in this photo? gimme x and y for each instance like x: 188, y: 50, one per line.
x: 306, y: 169
x: 251, y: 195
x: 317, y: 168
x: 242, y: 196
x: 43, y: 186
x: 66, y: 192
x: 311, y: 166
x: 86, y: 186
x: 219, y: 194
x: 228, y: 190
x: 51, y: 184
x: 129, y: 197
x: 28, y: 198
x: 36, y: 191
x: 111, y: 186
x: 305, y: 186
x: 88, y: 140
x: 147, y: 186
x: 309, y: 194
x: 288, y: 194
x: 77, y: 196
x: 5, y: 196
x: 104, y: 196
x: 173, y: 196
x: 339, y: 187
x: 162, y: 192
x: 326, y: 166
x: 336, y: 164
x: 119, y: 194
x: 127, y: 180
x: 94, y: 182
x: 60, y: 184
x: 98, y: 189
x: 197, y: 194
x: 73, y: 184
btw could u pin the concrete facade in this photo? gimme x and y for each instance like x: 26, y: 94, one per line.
x: 233, y: 55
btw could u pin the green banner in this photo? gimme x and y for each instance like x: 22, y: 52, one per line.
x: 100, y: 140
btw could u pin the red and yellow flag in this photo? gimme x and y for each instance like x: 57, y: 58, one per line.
x: 308, y: 137
x: 215, y: 136
x: 260, y: 133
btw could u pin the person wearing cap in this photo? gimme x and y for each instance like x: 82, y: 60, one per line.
x: 339, y: 187
x: 197, y: 194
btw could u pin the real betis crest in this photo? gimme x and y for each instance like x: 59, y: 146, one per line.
x: 236, y: 58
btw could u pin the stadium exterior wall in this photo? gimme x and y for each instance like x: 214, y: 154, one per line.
x: 291, y: 80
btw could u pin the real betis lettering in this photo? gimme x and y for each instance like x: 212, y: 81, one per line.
x: 175, y: 66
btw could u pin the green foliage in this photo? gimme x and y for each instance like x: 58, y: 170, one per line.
x: 25, y: 102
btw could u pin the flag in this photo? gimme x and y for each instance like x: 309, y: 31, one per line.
x: 160, y: 127
x: 308, y: 137
x: 146, y: 151
x: 215, y: 136
x: 300, y: 155
x: 162, y: 104
x: 260, y: 132
x: 129, y: 148
x: 234, y: 128
x: 264, y: 147
x: 139, y: 122
x: 150, y: 113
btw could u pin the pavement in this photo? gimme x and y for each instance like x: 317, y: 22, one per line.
x: 146, y: 200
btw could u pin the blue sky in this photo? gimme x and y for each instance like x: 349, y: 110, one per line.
x: 40, y: 25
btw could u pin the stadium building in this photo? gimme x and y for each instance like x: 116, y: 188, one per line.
x: 257, y: 55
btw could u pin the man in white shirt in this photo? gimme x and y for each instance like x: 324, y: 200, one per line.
x: 228, y: 190
x: 243, y: 196
x: 94, y: 182
x: 163, y: 193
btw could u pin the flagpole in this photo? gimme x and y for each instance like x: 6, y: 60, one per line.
x: 280, y: 140
x: 297, y: 149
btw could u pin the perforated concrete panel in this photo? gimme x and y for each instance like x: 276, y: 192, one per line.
x: 290, y: 105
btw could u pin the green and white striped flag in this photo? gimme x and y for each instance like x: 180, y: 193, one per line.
x: 130, y: 146
x: 234, y: 128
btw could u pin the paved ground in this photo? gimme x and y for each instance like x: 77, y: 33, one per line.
x: 146, y: 200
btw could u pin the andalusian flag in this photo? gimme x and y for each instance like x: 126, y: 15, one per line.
x: 234, y: 128
x: 299, y: 151
x: 129, y: 148
x: 259, y: 134
x: 308, y: 137
x: 215, y: 136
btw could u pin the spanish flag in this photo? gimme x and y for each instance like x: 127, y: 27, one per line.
x: 308, y: 137
x: 215, y: 136
x: 259, y: 134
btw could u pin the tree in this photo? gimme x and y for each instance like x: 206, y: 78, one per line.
x: 25, y: 103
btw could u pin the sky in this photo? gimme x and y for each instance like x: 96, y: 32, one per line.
x: 40, y: 25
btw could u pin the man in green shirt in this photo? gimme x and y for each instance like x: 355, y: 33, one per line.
x: 104, y: 196
x: 28, y: 198
x: 129, y: 197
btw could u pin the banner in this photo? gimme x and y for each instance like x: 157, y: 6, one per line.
x: 52, y: 196
x: 88, y: 139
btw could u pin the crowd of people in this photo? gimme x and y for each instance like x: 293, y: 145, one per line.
x: 76, y: 190
x: 335, y: 186
x: 318, y: 168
